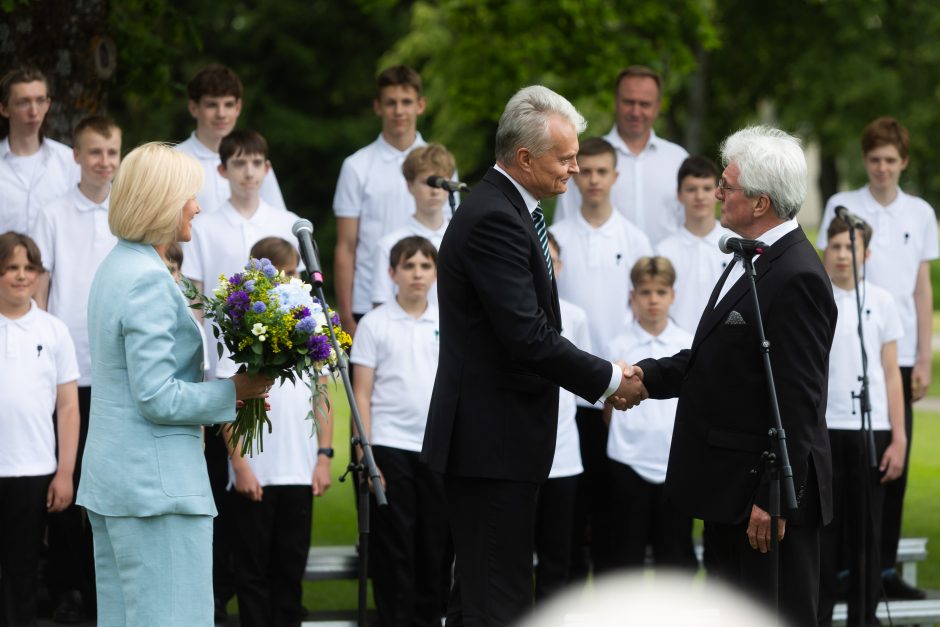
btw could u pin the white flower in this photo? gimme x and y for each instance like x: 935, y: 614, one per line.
x: 262, y: 338
x: 259, y: 330
x: 221, y: 289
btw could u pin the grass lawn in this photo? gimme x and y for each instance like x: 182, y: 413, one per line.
x: 335, y: 520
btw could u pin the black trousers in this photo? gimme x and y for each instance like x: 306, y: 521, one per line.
x: 854, y: 504
x: 407, y: 547
x: 893, y: 509
x: 592, y: 523
x: 642, y: 517
x: 492, y: 522
x: 749, y: 570
x: 272, y: 539
x: 554, y: 520
x: 22, y: 520
x: 223, y: 575
x: 71, y: 564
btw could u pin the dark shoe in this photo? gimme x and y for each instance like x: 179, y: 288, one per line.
x: 69, y: 608
x: 897, y: 588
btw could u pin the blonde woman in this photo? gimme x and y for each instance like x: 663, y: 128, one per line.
x: 144, y: 480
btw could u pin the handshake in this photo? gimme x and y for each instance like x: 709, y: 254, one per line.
x: 631, y: 391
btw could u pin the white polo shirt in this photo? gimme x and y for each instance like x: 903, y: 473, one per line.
x: 221, y: 243
x: 641, y: 437
x: 73, y: 235
x: 383, y: 288
x: 372, y: 188
x: 403, y: 351
x: 290, y: 451
x: 904, y: 235
x: 567, y: 461
x: 645, y: 190
x: 27, y: 184
x: 881, y: 324
x: 36, y: 355
x: 215, y: 189
x: 698, y: 264
x: 596, y: 274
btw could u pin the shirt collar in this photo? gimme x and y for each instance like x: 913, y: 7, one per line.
x: 604, y: 229
x: 84, y: 203
x: 424, y: 231
x: 893, y: 207
x: 5, y: 150
x: 530, y: 201
x: 615, y: 140
x: 644, y: 337
x: 236, y: 219
x: 390, y: 153
x: 397, y: 313
x: 23, y: 321
x: 202, y: 151
x: 774, y: 235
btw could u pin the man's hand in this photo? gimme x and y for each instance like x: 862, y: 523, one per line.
x: 920, y: 379
x: 892, y: 462
x: 758, y: 529
x: 246, y: 483
x: 631, y: 391
x: 321, y: 476
x: 60, y: 492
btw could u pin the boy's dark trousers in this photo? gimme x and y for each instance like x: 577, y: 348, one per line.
x: 841, y: 543
x: 554, y: 520
x: 407, y: 546
x: 270, y: 541
x: 22, y: 520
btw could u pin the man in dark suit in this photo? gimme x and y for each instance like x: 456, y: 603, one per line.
x: 715, y: 470
x: 494, y: 410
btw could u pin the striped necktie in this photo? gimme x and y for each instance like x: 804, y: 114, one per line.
x: 539, y: 219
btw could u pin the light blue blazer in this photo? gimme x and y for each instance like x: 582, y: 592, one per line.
x: 144, y: 454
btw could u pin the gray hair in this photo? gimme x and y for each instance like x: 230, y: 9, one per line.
x: 770, y: 162
x: 524, y: 122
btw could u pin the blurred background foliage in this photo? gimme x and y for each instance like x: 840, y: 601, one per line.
x: 821, y: 68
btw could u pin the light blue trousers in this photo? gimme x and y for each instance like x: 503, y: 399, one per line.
x: 153, y: 571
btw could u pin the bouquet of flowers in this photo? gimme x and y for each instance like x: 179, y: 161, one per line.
x: 271, y: 325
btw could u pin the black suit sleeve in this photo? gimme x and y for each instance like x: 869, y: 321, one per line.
x: 663, y: 377
x: 499, y: 250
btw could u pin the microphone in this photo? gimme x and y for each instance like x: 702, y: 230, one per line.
x: 850, y: 218
x: 450, y: 186
x: 303, y: 231
x: 747, y: 247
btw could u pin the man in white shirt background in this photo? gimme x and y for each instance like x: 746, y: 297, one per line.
x: 34, y: 170
x: 215, y: 102
x: 645, y: 190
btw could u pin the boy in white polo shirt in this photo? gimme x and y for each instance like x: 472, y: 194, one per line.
x: 858, y: 502
x: 639, y: 442
x: 554, y: 516
x: 37, y: 359
x: 271, y: 493
x: 903, y: 244
x: 693, y: 250
x: 73, y: 235
x: 34, y: 170
x: 221, y: 243
x: 600, y: 248
x: 428, y: 220
x: 395, y: 359
x: 371, y: 196
x: 215, y: 102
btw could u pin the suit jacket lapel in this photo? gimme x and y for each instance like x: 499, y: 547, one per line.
x: 515, y: 198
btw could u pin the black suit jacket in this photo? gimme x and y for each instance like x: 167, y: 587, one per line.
x: 494, y: 408
x: 715, y: 470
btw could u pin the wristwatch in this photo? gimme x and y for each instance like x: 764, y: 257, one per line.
x: 325, y: 451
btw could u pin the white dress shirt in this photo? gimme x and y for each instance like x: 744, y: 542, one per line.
x: 24, y: 191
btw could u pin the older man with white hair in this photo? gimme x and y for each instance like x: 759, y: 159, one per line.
x: 716, y: 471
x: 494, y: 410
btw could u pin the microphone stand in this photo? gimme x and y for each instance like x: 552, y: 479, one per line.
x: 452, y: 199
x: 776, y: 460
x: 867, y: 440
x: 366, y: 468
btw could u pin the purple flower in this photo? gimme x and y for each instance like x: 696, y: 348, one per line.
x: 300, y: 314
x: 335, y: 320
x: 249, y: 286
x: 306, y: 325
x: 319, y: 347
x: 253, y: 264
x: 237, y: 304
x: 259, y: 307
x: 269, y: 271
x: 236, y: 279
